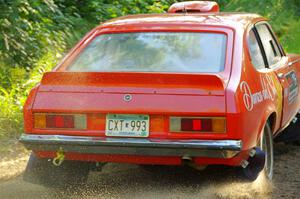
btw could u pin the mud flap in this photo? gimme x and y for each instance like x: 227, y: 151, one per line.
x: 255, y: 165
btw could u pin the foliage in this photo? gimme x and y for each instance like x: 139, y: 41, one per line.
x: 283, y: 14
x: 13, y: 98
x: 29, y: 29
x: 35, y: 33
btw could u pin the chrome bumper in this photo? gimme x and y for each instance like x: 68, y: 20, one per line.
x: 133, y: 146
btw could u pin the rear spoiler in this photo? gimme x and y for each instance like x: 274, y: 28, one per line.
x: 134, y: 79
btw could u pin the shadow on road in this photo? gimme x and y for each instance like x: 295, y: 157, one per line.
x: 131, y: 181
x: 169, y: 182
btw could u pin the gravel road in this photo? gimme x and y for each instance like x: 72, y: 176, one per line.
x: 130, y: 181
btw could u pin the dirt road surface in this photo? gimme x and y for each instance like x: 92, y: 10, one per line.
x: 130, y: 181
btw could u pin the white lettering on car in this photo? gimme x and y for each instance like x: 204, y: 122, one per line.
x: 268, y: 92
x: 247, y: 98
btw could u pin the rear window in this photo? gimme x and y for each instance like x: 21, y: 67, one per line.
x: 153, y: 52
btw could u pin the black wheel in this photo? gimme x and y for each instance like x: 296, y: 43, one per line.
x: 43, y: 172
x: 263, y: 160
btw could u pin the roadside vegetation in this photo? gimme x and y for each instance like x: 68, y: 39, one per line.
x: 35, y: 34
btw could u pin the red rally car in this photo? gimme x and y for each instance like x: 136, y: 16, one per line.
x: 192, y: 85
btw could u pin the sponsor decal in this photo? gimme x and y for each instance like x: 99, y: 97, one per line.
x: 268, y: 92
x: 292, y: 90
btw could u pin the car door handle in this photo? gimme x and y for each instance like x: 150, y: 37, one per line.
x: 280, y: 75
x: 293, y: 62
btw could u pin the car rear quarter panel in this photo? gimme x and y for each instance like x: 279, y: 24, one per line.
x: 252, y: 96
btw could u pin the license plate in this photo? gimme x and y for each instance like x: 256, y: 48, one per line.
x: 127, y: 125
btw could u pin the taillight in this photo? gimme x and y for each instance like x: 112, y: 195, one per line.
x: 60, y: 121
x: 198, y: 124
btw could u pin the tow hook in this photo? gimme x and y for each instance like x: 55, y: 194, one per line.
x: 60, y: 157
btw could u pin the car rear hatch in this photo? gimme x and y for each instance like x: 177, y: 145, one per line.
x: 84, y: 103
x: 151, y: 93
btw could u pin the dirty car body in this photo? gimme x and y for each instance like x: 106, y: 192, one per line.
x: 163, y: 88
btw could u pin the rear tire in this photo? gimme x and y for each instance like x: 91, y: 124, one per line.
x: 252, y: 171
x: 43, y: 172
x: 266, y: 145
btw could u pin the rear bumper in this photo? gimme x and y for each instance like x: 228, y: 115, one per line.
x: 133, y: 146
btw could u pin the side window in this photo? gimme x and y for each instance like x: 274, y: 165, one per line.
x: 271, y: 48
x: 255, y: 52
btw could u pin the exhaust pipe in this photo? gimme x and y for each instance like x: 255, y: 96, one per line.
x: 187, y: 160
